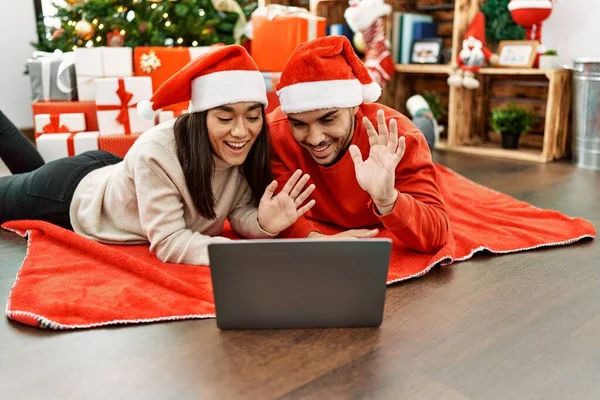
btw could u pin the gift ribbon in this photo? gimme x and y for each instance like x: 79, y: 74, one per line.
x: 54, y: 125
x: 233, y: 7
x: 46, y: 59
x: 71, y: 145
x: 124, y: 98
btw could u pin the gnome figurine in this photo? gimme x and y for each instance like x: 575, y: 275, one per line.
x: 473, y: 56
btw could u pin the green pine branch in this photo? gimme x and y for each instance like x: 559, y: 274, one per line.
x: 145, y: 23
x: 499, y: 24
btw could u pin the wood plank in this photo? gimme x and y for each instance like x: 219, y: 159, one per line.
x: 553, y: 115
x: 443, y: 16
x: 563, y: 142
x: 514, y: 71
x: 423, y: 68
x: 445, y: 29
x: 530, y: 155
x: 422, y: 83
x: 483, y: 104
x: 515, y: 89
x: 448, y: 43
x: 531, y: 140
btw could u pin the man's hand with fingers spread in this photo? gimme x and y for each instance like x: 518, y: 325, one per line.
x: 377, y: 174
x: 276, y: 213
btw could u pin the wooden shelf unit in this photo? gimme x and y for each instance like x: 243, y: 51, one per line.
x: 468, y: 110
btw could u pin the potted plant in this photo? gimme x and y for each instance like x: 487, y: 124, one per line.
x: 511, y: 122
x: 549, y: 60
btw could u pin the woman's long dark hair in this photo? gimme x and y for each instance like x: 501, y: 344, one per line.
x: 196, y: 158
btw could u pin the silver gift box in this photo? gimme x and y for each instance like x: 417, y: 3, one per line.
x: 52, y: 76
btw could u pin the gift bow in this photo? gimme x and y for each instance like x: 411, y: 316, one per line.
x: 46, y: 58
x: 54, y: 125
x: 124, y: 99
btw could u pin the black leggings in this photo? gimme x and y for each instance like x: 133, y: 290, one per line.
x: 36, y: 190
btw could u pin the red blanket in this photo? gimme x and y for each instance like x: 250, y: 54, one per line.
x: 67, y: 281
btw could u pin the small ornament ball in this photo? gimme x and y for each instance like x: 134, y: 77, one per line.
x: 359, y: 42
x: 57, y: 33
x: 84, y: 30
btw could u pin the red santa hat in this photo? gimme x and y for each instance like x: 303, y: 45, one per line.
x: 477, y: 28
x: 363, y: 13
x: 225, y: 75
x: 325, y: 73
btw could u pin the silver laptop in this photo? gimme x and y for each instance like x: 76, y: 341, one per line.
x: 299, y: 283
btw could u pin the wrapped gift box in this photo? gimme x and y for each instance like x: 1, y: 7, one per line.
x: 278, y: 30
x: 99, y: 62
x: 52, y: 76
x: 59, y: 123
x: 116, y: 101
x: 87, y: 108
x: 61, y: 145
x: 117, y: 144
x: 160, y: 63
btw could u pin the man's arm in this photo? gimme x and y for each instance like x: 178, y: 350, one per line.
x: 400, y: 177
x: 417, y: 216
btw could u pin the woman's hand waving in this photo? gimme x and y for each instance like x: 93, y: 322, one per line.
x: 277, y: 213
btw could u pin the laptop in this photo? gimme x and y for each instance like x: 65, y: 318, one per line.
x: 299, y: 283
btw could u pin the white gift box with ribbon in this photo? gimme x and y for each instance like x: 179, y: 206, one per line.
x: 100, y: 62
x: 60, y: 145
x: 59, y: 123
x: 52, y: 76
x: 116, y: 100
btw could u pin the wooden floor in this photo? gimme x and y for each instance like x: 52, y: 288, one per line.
x: 518, y: 326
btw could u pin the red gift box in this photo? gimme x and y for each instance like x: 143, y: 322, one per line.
x: 88, y: 108
x: 277, y: 31
x: 118, y: 144
x: 161, y: 63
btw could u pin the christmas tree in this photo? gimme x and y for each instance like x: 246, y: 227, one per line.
x: 499, y: 25
x: 93, y: 23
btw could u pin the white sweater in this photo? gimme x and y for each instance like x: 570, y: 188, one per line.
x: 145, y: 199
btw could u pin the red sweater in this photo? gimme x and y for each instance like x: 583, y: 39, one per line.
x: 419, y: 217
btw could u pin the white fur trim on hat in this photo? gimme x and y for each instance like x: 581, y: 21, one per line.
x: 310, y: 96
x: 227, y: 87
x: 362, y: 16
x: 520, y: 4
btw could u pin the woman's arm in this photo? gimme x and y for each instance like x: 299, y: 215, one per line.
x: 161, y: 206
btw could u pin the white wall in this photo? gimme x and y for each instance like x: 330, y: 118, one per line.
x: 17, y: 30
x: 573, y: 29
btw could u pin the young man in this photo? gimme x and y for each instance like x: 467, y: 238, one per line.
x: 371, y: 166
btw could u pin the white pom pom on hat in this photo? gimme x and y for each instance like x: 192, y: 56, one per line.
x: 144, y: 109
x: 225, y: 75
x: 325, y: 73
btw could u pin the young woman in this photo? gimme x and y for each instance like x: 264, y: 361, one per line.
x: 180, y: 180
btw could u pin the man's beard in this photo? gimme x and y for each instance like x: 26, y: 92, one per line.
x: 345, y: 142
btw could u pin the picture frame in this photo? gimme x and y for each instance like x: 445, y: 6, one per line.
x: 427, y: 51
x: 517, y: 53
